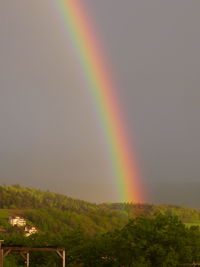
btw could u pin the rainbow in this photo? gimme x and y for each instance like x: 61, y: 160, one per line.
x: 93, y: 64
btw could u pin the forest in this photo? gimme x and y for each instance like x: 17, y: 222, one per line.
x: 108, y: 234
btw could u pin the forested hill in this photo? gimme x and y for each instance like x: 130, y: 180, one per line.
x: 108, y: 234
x: 17, y: 197
x: 56, y: 213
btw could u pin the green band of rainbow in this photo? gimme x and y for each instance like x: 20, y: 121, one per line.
x: 102, y: 89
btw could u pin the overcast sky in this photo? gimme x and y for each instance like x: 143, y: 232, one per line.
x: 50, y: 136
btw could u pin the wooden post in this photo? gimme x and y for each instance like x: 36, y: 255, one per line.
x: 63, y: 258
x: 27, y: 259
x: 1, y: 253
x: 25, y: 255
x: 61, y: 253
x: 1, y: 257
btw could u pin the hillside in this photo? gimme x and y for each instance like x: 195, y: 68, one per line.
x: 52, y: 212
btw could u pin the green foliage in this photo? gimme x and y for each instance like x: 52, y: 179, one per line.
x: 104, y: 235
x: 159, y: 241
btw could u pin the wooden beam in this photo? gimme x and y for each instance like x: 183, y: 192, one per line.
x: 60, y: 254
x: 25, y: 249
x: 6, y: 252
x: 23, y: 255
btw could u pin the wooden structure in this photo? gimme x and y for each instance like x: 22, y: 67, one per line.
x: 25, y: 252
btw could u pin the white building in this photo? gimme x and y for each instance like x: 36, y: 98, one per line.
x: 18, y: 221
x: 30, y: 230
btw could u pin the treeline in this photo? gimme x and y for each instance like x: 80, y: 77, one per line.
x: 161, y: 241
x: 17, y: 197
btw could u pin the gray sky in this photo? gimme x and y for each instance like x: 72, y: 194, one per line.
x: 50, y: 136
